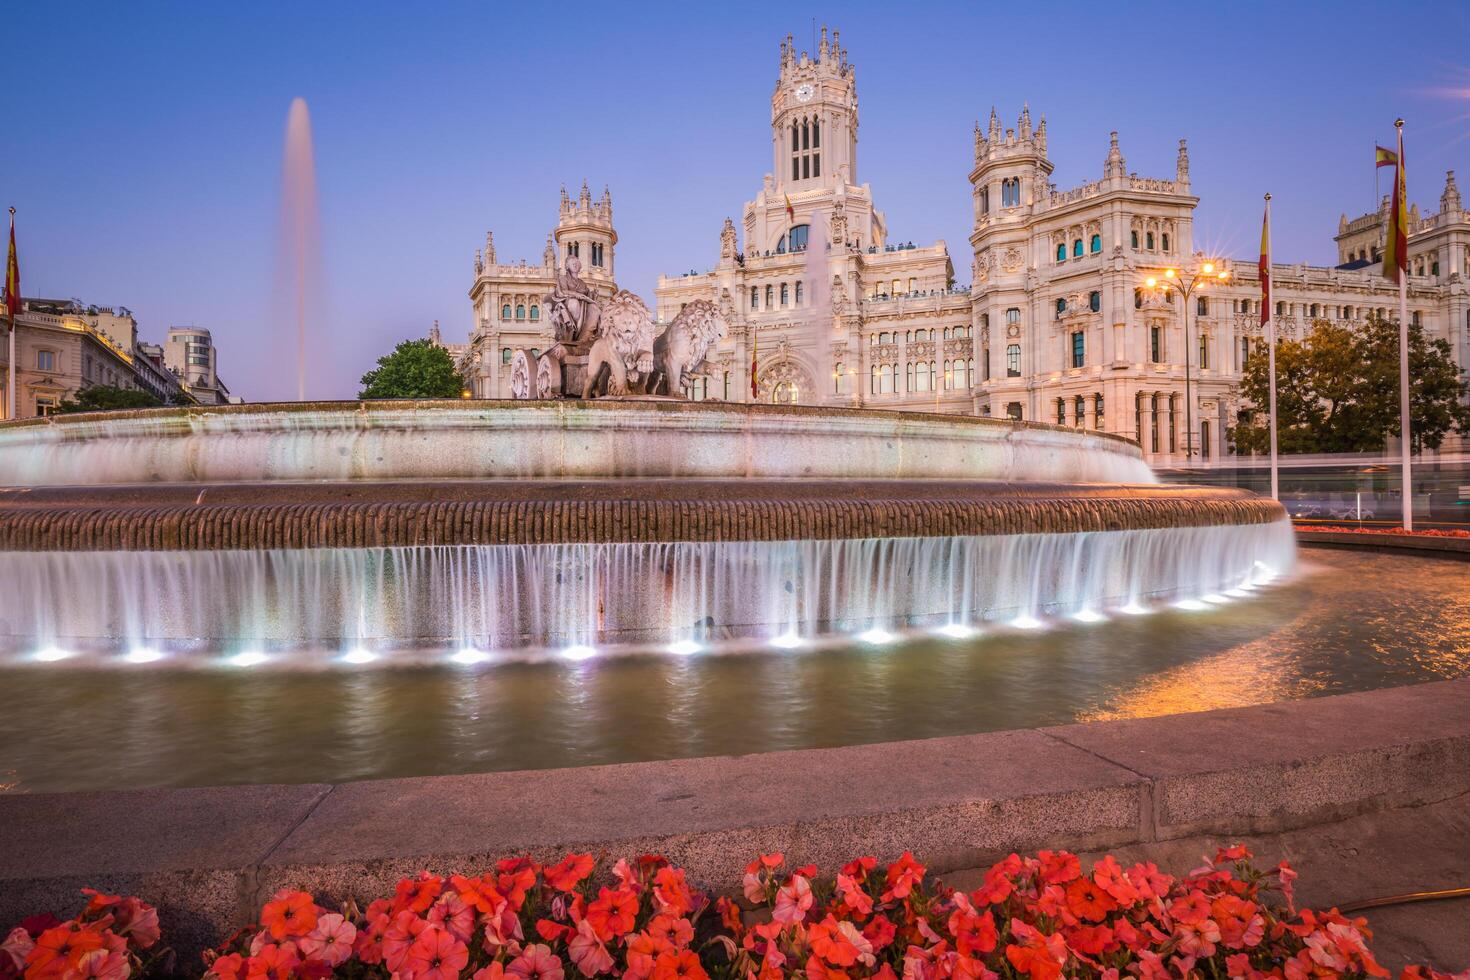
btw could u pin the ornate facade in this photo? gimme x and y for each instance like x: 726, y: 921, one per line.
x: 1057, y: 325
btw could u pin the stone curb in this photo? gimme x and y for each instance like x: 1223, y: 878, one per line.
x: 1397, y: 543
x: 208, y: 857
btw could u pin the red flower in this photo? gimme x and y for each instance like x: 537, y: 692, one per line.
x: 972, y: 933
x: 479, y: 894
x: 417, y: 894
x: 829, y: 942
x: 436, y: 955
x: 1086, y: 900
x: 612, y: 913
x: 567, y: 873
x: 272, y: 963
x: 671, y: 892
x: 1038, y: 955
x: 678, y: 965
x: 879, y: 931
x: 1058, y: 867
x: 904, y: 876
x: 289, y: 914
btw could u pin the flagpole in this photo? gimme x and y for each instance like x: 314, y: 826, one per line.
x: 1271, y: 360
x: 10, y: 303
x: 1405, y: 440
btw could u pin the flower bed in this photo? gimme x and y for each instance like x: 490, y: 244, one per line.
x: 1421, y: 533
x: 1040, y: 917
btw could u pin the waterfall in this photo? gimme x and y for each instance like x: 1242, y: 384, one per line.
x: 508, y: 597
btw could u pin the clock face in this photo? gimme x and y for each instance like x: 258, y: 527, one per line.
x: 804, y: 92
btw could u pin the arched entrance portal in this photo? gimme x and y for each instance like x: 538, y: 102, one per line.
x: 786, y: 382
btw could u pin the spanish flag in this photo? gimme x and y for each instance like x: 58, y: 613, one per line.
x: 755, y: 346
x: 12, y: 275
x: 1396, y: 243
x: 790, y: 211
x: 1265, y: 264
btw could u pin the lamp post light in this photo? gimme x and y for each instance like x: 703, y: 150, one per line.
x: 1187, y: 283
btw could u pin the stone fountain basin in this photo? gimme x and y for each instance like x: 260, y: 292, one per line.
x: 608, y: 438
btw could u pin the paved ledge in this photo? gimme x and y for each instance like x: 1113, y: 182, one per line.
x: 1398, y: 543
x: 365, y: 515
x: 209, y: 856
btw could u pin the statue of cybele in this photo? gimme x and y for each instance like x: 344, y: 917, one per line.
x: 575, y: 311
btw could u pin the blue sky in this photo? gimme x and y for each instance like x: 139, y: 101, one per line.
x: 146, y: 138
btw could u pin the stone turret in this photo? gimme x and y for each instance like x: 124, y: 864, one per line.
x: 1114, y: 165
x: 1181, y: 168
x: 489, y: 248
x: 548, y: 254
x: 727, y: 240
x: 566, y: 202
x: 1449, y: 201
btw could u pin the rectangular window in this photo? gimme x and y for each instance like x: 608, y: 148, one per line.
x: 1078, y: 349
x: 1013, y: 315
x: 985, y: 359
x: 1155, y: 346
x: 1204, y: 353
x: 755, y: 295
x: 1013, y: 361
x: 505, y: 355
x: 45, y: 360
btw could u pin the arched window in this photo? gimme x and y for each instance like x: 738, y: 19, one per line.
x: 1079, y: 411
x: 1281, y: 311
x: 1202, y: 306
x: 877, y: 380
x: 1077, y: 249
x: 1061, y: 411
x: 535, y: 312
x: 1314, y: 313
x: 1150, y: 241
x: 1097, y: 411
x: 908, y: 381
x: 1096, y: 244
x: 885, y: 338
x: 1061, y: 251
x: 1094, y: 301
x: 1138, y: 299
x: 1166, y: 241
x: 1135, y: 239
x: 922, y: 376
x: 1013, y: 315
x: 798, y: 292
x: 985, y: 200
x: 837, y: 377
x: 890, y: 384
x: 755, y: 297
x: 785, y: 294
x: 1013, y: 361
x: 799, y: 236
x: 1061, y: 306
x: 520, y: 311
x: 505, y: 312
x: 770, y: 296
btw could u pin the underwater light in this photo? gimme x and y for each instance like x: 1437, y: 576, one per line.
x: 1088, y: 616
x: 787, y: 641
x: 1024, y: 622
x: 1190, y: 605
x: 1215, y: 598
x: 957, y: 631
x: 50, y: 655
x: 1135, y: 609
x: 578, y: 652
x: 877, y: 636
x: 143, y: 655
x: 684, y: 648
x: 359, y: 656
x: 469, y: 656
x: 248, y: 659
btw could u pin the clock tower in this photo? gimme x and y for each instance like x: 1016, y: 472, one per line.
x: 814, y: 118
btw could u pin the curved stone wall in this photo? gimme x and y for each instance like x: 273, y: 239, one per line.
x: 637, y: 439
x: 358, y: 515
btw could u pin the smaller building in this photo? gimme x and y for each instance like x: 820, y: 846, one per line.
x: 190, y: 354
x: 63, y: 347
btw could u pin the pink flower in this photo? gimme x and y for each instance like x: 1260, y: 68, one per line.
x: 402, y: 932
x: 537, y: 963
x: 17, y: 946
x: 587, y: 952
x: 101, y: 964
x: 793, y: 899
x: 436, y: 955
x: 330, y: 942
x: 452, y: 914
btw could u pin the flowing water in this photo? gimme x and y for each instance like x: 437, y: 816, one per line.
x: 314, y: 605
x: 299, y: 229
x: 1346, y: 621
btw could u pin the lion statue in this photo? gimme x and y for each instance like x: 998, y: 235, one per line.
x: 621, y: 359
x: 680, y: 351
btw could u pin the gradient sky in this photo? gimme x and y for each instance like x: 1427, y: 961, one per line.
x: 145, y: 139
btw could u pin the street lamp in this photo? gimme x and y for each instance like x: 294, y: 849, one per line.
x: 1186, y: 283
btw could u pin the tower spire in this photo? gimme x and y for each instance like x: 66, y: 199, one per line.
x: 1114, y: 166
x: 1181, y: 168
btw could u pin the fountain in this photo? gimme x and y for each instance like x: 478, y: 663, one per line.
x: 299, y: 233
x: 334, y: 532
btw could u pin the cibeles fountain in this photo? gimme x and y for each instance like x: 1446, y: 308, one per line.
x: 601, y: 510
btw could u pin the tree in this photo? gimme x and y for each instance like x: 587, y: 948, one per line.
x: 1337, y: 391
x: 103, y: 398
x: 415, y: 369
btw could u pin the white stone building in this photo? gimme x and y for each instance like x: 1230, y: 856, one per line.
x: 1058, y: 325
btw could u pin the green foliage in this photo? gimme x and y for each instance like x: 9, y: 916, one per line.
x: 415, y: 369
x: 1338, y: 391
x: 102, y: 398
